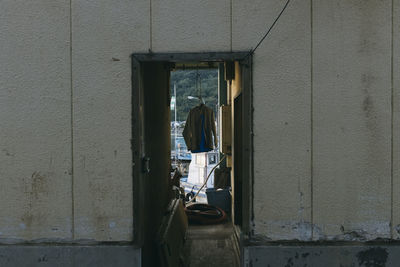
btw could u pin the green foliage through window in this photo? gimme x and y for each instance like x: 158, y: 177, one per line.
x: 185, y: 81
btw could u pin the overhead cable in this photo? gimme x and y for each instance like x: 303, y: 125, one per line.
x: 269, y: 30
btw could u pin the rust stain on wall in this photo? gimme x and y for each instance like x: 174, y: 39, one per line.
x: 36, y: 190
x: 39, y: 185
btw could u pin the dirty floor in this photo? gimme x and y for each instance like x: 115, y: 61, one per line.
x: 210, y: 245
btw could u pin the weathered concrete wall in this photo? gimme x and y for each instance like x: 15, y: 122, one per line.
x: 322, y: 255
x: 70, y: 256
x: 188, y: 26
x: 35, y: 121
x: 282, y: 125
x: 396, y: 119
x: 103, y: 37
x: 352, y: 119
x: 322, y: 120
x: 65, y: 128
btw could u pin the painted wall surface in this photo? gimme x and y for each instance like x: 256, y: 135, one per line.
x: 282, y: 108
x: 65, y: 127
x: 187, y: 26
x: 35, y: 121
x: 322, y: 121
x: 103, y: 38
x: 325, y: 135
x: 396, y: 119
x: 352, y: 119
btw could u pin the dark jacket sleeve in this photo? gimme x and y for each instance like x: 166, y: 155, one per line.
x: 187, y: 132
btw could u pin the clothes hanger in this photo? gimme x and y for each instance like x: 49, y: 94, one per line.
x: 198, y: 82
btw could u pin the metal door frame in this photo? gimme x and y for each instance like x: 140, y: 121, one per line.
x: 245, y: 61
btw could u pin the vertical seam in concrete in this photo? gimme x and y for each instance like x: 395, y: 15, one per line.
x: 231, y: 23
x: 151, y: 26
x: 72, y: 123
x: 392, y: 117
x: 312, y: 120
x: 252, y: 225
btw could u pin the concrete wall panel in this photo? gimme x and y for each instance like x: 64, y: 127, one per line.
x: 187, y: 26
x: 352, y: 119
x: 396, y: 120
x: 251, y: 20
x: 282, y: 129
x: 348, y: 118
x: 104, y: 36
x: 70, y: 256
x: 322, y: 255
x: 35, y: 132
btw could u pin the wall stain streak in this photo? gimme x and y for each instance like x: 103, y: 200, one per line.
x: 36, y: 186
x: 36, y: 191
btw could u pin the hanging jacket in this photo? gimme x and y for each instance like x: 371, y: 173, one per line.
x: 199, y: 131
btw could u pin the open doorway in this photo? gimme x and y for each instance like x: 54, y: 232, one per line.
x: 194, y: 88
x: 152, y: 128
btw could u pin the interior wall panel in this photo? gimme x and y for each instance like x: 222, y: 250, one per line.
x: 35, y: 122
x: 188, y: 26
x: 104, y: 36
x: 396, y: 119
x: 352, y: 119
x: 282, y: 120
